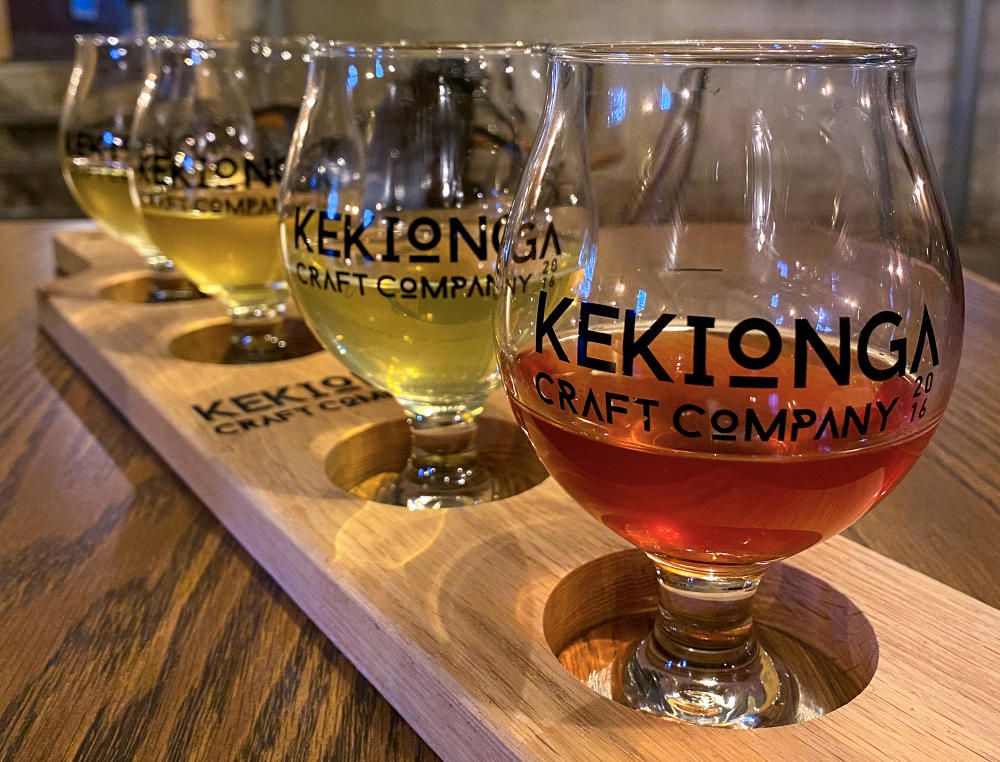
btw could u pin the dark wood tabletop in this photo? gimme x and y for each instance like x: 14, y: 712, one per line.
x: 133, y: 627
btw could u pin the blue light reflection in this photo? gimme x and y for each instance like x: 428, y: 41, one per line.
x: 617, y: 105
x: 332, y: 201
x: 666, y: 99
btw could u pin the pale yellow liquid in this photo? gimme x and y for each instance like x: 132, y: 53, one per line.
x: 234, y: 257
x: 429, y: 352
x: 102, y: 193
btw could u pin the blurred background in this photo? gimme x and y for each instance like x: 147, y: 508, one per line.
x: 958, y: 77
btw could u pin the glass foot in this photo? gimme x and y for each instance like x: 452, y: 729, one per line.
x: 757, y: 694
x: 420, y: 488
x: 257, y: 342
x: 167, y: 283
x: 174, y: 288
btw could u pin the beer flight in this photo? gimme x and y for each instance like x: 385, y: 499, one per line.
x: 716, y: 278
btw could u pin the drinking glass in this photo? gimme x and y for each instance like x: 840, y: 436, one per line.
x: 210, y: 135
x: 755, y: 337
x: 93, y: 140
x: 400, y: 176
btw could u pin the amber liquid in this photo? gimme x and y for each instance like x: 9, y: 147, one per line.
x: 700, y: 500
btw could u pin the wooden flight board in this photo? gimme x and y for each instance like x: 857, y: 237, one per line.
x: 458, y: 616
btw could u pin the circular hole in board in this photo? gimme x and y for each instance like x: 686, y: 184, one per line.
x: 597, y: 610
x: 146, y: 289
x: 212, y: 343
x: 134, y: 289
x: 369, y: 457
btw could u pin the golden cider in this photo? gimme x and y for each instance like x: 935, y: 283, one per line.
x: 102, y: 192
x: 418, y: 345
x: 225, y: 242
x: 417, y: 322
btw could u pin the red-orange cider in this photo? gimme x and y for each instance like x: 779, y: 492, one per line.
x: 739, y: 482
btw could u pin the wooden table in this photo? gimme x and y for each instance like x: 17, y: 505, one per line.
x: 133, y: 627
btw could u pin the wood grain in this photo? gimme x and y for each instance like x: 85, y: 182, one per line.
x: 132, y: 625
x: 444, y: 610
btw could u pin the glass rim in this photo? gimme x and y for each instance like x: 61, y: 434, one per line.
x: 102, y: 40
x: 272, y: 46
x: 186, y: 42
x: 820, y: 51
x: 190, y: 42
x: 280, y: 39
x: 431, y: 49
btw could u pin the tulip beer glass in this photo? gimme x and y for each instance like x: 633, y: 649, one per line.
x: 207, y: 151
x: 399, y: 181
x: 93, y: 140
x: 761, y: 333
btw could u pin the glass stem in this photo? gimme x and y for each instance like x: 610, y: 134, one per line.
x: 708, y: 619
x: 160, y: 264
x: 444, y: 469
x: 702, y: 662
x: 167, y: 283
x: 256, y: 335
x: 448, y: 441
